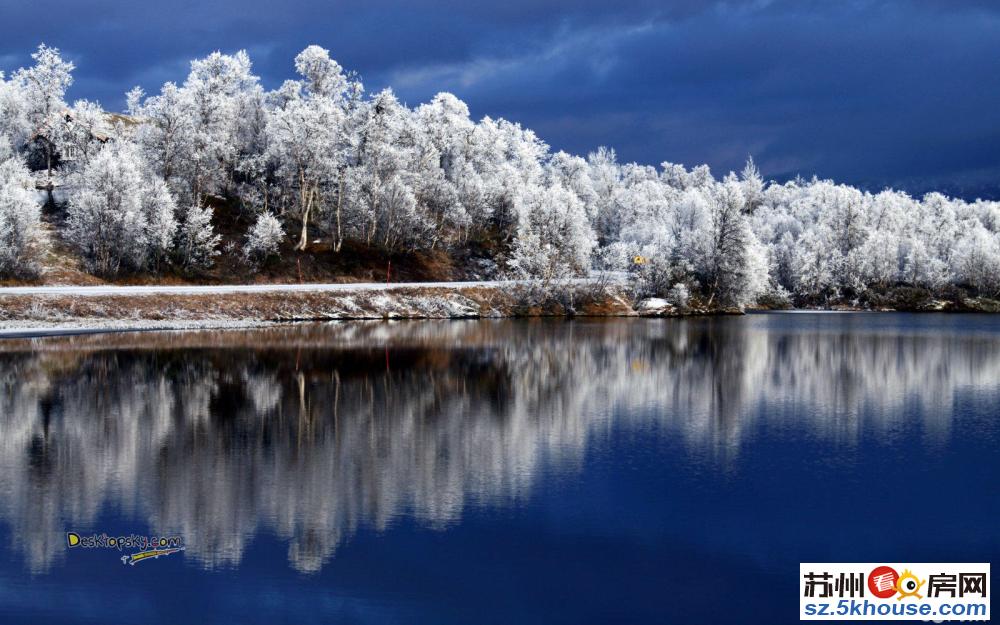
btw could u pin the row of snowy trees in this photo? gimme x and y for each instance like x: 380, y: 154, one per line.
x: 319, y: 157
x: 318, y: 152
x: 833, y: 241
x: 810, y: 241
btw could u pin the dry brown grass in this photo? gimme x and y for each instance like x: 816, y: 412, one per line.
x: 428, y: 303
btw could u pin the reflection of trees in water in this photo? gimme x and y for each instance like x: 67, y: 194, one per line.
x: 311, y: 431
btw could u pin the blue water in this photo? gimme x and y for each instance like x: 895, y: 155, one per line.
x: 592, y: 471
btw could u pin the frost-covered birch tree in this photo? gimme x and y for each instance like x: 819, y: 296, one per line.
x: 44, y: 86
x: 20, y: 215
x: 305, y: 136
x: 121, y: 216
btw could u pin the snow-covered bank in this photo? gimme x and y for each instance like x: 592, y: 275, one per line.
x: 76, y: 310
x: 57, y: 311
x: 43, y: 329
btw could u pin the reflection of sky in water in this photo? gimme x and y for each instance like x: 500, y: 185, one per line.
x: 388, y: 462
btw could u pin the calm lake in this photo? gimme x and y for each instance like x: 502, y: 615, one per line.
x: 539, y: 471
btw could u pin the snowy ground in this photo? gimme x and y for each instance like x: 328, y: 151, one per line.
x: 61, y: 310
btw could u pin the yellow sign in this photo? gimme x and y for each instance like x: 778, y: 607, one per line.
x: 639, y: 260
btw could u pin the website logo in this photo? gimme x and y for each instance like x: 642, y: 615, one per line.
x: 142, y: 548
x: 873, y: 591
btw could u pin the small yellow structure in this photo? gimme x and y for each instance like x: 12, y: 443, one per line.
x: 638, y: 260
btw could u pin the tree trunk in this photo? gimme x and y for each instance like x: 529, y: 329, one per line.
x: 304, y: 238
x: 340, y: 202
x: 371, y: 234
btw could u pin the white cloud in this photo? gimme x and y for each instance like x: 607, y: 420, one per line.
x: 593, y: 48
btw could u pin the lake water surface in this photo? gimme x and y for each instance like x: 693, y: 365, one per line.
x: 588, y: 471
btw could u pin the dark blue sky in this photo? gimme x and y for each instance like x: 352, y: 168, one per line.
x: 903, y: 92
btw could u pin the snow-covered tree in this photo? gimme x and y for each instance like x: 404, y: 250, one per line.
x: 264, y: 238
x: 812, y: 270
x: 44, y: 86
x: 732, y: 265
x: 196, y: 135
x: 679, y: 295
x: 976, y: 260
x: 554, y: 238
x: 921, y: 268
x: 604, y: 180
x: 753, y: 186
x: 305, y: 136
x: 166, y: 132
x: 76, y: 135
x: 197, y: 243
x: 20, y: 215
x: 382, y: 189
x: 324, y: 77
x: 121, y: 216
x: 15, y: 127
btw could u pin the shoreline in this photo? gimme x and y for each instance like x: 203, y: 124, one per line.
x: 53, y: 313
x: 66, y: 312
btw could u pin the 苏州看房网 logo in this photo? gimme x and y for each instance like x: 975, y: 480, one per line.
x: 879, y: 591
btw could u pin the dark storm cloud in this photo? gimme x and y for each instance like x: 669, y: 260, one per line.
x: 878, y: 92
